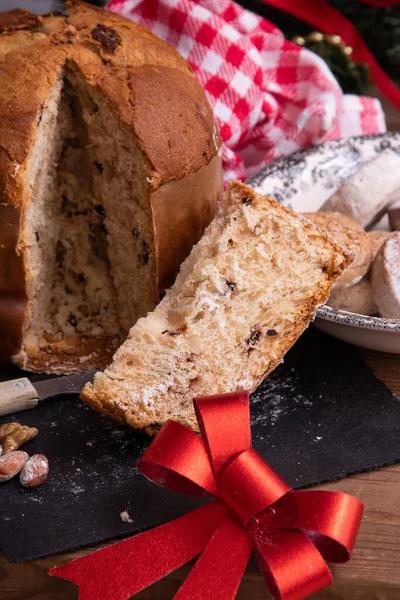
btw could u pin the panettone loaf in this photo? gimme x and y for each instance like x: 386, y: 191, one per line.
x: 243, y: 296
x: 110, y: 170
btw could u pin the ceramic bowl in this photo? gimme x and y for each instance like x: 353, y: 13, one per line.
x: 303, y: 181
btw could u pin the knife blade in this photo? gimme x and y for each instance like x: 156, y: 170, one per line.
x: 21, y: 394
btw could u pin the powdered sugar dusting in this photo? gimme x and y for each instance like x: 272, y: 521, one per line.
x: 392, y: 253
x: 278, y: 395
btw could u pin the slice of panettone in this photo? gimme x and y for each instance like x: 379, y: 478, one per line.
x: 242, y: 298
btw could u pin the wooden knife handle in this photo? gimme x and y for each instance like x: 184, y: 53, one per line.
x: 17, y: 395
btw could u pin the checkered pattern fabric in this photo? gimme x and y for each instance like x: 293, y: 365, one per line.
x: 269, y: 96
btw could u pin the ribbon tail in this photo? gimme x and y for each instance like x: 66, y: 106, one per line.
x: 219, y: 570
x: 291, y: 565
x: 330, y: 519
x: 125, y: 568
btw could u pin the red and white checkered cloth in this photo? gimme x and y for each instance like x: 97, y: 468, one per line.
x: 270, y: 97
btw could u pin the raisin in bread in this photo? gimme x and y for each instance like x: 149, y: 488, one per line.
x: 242, y: 298
x: 110, y: 170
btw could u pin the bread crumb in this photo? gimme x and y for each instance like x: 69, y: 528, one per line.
x: 125, y: 517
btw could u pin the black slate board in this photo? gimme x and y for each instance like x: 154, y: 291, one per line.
x: 320, y: 416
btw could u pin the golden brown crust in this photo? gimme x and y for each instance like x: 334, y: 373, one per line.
x: 69, y: 354
x: 12, y: 288
x: 173, y: 214
x: 14, y: 20
x: 136, y: 47
x: 20, y: 112
x: 177, y: 136
x: 150, y: 86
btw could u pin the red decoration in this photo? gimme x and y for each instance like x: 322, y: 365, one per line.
x: 293, y: 533
x: 328, y: 19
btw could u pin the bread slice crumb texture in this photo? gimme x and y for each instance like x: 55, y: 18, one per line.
x: 243, y: 296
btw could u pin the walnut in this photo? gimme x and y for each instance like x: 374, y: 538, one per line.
x: 7, y: 428
x: 13, y: 435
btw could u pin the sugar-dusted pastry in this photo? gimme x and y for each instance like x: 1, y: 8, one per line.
x: 394, y: 216
x: 364, y: 195
x: 385, y: 278
x: 352, y: 237
x: 357, y: 298
x: 377, y: 237
x: 242, y: 298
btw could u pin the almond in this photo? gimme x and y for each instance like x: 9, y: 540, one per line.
x: 11, y: 464
x: 34, y: 471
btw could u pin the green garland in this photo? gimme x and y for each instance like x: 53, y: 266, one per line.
x: 380, y: 28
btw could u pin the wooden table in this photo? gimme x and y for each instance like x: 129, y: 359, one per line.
x: 373, y: 573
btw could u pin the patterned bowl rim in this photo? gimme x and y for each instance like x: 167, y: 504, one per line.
x: 325, y: 312
x: 258, y: 177
x: 347, y: 318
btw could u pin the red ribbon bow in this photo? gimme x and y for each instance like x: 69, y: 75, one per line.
x: 293, y: 533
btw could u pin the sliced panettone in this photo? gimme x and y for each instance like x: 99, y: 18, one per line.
x: 109, y: 172
x: 243, y: 296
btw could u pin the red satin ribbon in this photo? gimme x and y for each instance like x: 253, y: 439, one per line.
x: 293, y: 533
x: 323, y: 16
